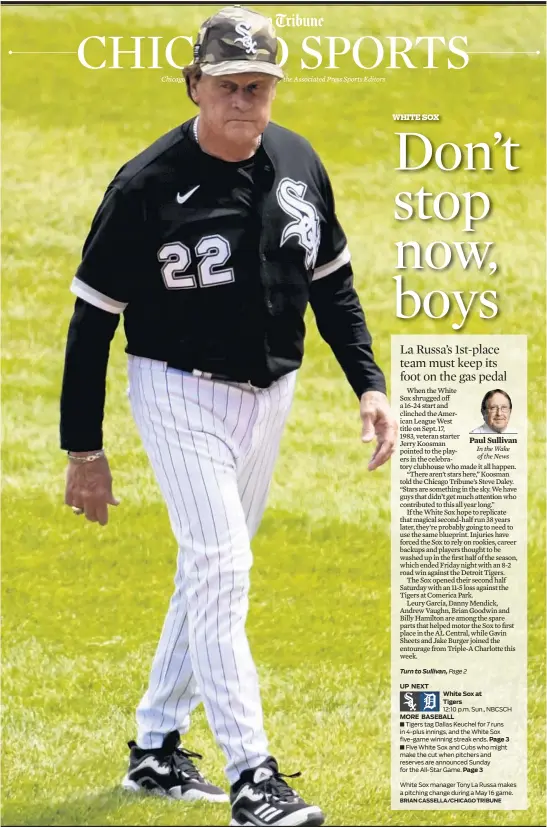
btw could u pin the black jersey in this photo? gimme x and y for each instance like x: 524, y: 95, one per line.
x: 213, y: 264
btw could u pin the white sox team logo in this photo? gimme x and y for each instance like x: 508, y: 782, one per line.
x: 290, y: 197
x: 246, y: 40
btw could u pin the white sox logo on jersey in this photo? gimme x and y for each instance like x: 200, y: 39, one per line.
x: 290, y: 197
x: 246, y: 40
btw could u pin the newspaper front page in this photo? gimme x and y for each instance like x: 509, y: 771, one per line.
x: 390, y: 623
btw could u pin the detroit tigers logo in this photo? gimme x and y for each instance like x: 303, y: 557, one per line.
x: 290, y: 197
x: 246, y: 40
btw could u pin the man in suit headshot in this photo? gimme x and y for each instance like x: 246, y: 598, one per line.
x: 496, y: 408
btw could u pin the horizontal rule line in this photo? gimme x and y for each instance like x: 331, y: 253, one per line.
x: 505, y: 53
x: 469, y: 53
x: 42, y: 53
x: 284, y: 3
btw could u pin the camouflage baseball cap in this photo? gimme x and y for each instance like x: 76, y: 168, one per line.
x: 237, y: 40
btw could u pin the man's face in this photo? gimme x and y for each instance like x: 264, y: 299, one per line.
x: 498, y: 412
x: 236, y: 107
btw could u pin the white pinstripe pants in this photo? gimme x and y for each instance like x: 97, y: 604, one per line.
x: 213, y: 447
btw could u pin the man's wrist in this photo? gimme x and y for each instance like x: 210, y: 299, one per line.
x: 83, y: 453
x: 373, y: 390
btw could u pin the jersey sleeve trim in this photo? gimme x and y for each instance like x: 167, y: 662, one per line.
x: 332, y: 266
x: 94, y: 297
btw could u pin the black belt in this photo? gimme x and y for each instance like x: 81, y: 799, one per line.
x: 220, y: 377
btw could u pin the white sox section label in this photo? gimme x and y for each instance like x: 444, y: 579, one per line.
x: 459, y: 573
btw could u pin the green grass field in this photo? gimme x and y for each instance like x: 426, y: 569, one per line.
x: 83, y: 606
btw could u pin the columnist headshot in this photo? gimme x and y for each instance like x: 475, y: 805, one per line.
x: 496, y: 409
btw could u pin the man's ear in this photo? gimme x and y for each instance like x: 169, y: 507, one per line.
x: 194, y: 88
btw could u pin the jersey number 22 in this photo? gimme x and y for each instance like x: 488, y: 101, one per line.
x: 213, y: 252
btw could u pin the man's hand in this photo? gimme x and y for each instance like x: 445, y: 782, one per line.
x: 378, y: 421
x: 89, y: 488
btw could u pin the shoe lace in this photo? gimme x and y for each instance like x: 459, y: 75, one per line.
x: 276, y: 787
x: 180, y: 761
